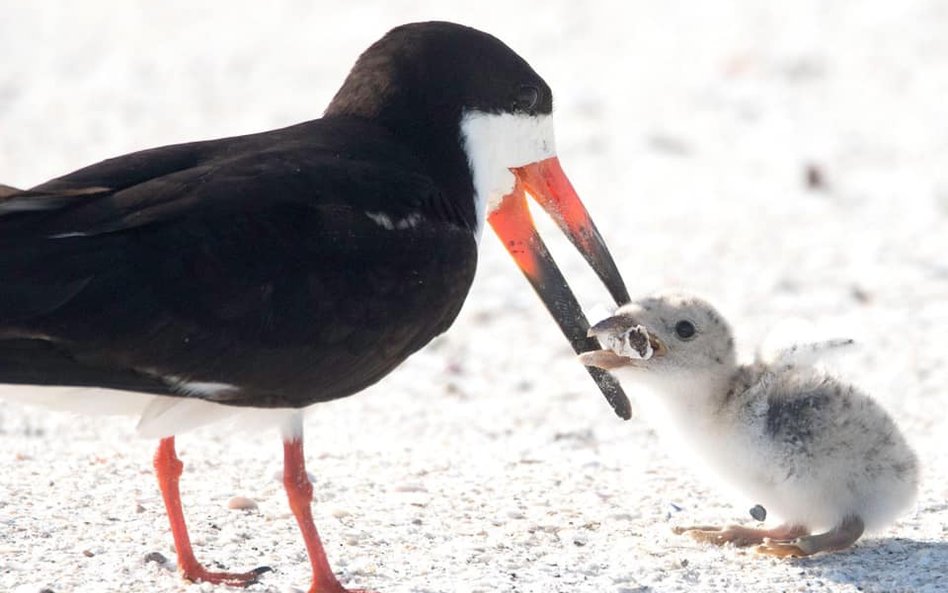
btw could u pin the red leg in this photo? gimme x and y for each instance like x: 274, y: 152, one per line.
x: 168, y: 467
x: 300, y: 492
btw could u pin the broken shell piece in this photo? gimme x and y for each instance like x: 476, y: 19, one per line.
x: 631, y: 344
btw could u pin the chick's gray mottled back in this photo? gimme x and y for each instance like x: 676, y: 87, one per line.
x: 811, y: 428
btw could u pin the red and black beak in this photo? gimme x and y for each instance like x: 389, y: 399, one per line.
x: 549, y: 186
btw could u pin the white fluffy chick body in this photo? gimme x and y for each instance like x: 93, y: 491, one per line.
x: 811, y: 449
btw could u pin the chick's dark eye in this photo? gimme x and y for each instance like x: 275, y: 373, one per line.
x: 527, y: 98
x: 685, y: 330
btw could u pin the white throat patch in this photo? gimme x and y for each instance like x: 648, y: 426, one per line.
x: 496, y: 143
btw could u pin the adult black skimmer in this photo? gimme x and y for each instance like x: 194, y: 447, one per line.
x: 295, y: 266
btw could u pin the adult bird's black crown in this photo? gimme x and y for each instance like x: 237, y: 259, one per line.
x: 294, y: 266
x: 419, y: 82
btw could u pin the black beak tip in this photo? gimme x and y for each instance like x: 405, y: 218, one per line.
x: 613, y: 391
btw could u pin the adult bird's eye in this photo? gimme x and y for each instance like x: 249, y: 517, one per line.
x: 527, y: 98
x: 685, y: 330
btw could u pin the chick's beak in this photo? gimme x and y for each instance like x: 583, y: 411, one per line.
x: 511, y: 220
x: 607, y: 331
x: 604, y: 359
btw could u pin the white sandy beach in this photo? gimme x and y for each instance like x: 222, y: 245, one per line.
x: 489, y: 462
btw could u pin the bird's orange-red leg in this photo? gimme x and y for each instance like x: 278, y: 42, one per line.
x: 299, y: 490
x: 168, y: 467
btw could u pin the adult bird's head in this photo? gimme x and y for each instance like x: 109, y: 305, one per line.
x: 480, y: 120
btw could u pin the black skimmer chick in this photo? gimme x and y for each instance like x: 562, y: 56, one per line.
x: 300, y: 265
x: 808, y: 447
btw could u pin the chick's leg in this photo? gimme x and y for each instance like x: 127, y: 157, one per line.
x: 840, y: 537
x: 739, y: 535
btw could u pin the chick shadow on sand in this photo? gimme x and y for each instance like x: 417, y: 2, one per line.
x: 884, y: 565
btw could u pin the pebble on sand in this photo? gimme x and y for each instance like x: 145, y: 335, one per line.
x: 242, y: 503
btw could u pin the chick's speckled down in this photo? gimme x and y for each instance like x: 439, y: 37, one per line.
x: 809, y: 448
x: 822, y: 449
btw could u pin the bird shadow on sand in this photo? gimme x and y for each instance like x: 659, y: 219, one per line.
x: 892, y: 565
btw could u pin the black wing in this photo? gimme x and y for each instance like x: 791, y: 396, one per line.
x: 257, y: 261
